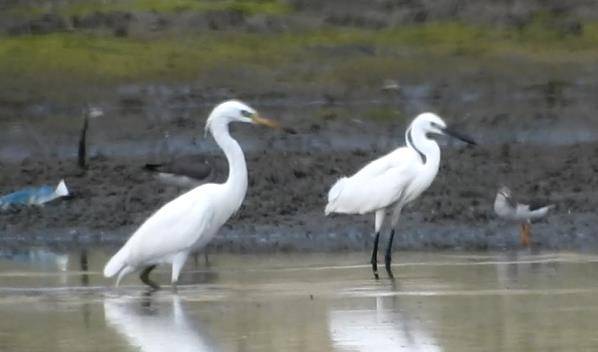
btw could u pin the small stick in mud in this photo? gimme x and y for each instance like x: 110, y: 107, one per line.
x: 90, y: 112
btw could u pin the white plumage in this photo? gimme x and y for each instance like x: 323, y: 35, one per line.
x: 190, y: 221
x: 377, y: 185
x: 507, y: 208
x: 393, y: 180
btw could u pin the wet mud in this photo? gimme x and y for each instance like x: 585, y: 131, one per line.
x: 534, y: 121
x: 287, y: 192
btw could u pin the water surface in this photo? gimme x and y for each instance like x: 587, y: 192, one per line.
x: 517, y: 301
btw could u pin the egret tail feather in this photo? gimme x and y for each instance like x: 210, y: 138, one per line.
x: 333, y: 195
x: 116, y: 263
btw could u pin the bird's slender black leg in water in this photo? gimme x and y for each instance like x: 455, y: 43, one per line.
x: 374, y: 260
x: 195, y: 259
x: 388, y: 256
x: 84, y: 267
x: 144, y: 276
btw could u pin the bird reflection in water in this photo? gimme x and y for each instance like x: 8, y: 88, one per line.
x: 385, y: 327
x: 156, y: 323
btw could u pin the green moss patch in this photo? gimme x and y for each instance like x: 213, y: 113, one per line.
x: 86, y: 7
x: 349, y: 58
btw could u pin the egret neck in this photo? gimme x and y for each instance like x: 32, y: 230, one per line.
x: 426, y: 148
x: 236, y: 183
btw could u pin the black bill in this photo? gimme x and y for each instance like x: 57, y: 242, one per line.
x: 459, y: 135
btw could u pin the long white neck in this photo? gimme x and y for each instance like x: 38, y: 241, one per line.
x: 427, y: 148
x: 236, y: 183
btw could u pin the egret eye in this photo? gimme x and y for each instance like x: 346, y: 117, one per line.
x: 246, y: 113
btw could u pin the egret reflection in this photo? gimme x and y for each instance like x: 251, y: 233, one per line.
x: 155, y: 325
x: 378, y: 329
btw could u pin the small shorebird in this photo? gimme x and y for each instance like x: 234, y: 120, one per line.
x: 393, y: 180
x: 507, y: 208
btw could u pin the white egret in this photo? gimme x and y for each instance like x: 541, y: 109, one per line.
x: 507, y: 208
x: 191, y: 220
x: 392, y: 181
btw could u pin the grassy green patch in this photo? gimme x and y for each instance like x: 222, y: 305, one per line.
x: 329, y: 57
x: 245, y: 6
x: 78, y: 55
x: 82, y: 8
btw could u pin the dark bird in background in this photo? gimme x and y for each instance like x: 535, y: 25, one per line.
x: 187, y: 171
x: 507, y: 208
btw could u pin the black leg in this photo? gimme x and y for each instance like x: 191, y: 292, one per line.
x: 84, y: 267
x: 388, y: 256
x: 146, y: 298
x: 144, y: 276
x: 196, y: 260
x: 374, y: 260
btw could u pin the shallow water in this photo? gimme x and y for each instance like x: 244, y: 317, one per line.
x: 517, y: 301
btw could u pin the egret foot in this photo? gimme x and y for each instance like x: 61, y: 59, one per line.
x: 374, y: 260
x: 525, y: 234
x: 388, y: 256
x: 144, y: 276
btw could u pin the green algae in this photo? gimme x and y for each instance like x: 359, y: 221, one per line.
x: 83, y: 8
x: 331, y: 56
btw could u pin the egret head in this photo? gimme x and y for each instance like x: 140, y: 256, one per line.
x: 505, y: 192
x: 431, y: 123
x: 235, y: 111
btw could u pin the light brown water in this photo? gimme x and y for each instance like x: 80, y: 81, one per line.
x: 317, y: 302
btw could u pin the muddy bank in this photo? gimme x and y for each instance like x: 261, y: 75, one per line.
x: 347, y: 88
x: 287, y: 192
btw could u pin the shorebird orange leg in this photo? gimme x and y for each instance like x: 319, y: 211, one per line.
x: 525, y: 234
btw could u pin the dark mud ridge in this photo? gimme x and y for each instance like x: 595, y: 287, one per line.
x: 287, y: 193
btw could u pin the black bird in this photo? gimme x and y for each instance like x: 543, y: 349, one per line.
x: 185, y: 171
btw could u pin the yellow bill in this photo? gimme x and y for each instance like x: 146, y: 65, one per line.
x: 257, y: 119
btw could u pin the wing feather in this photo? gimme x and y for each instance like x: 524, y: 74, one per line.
x: 377, y: 185
x: 177, y: 226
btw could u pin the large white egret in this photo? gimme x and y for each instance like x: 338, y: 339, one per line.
x: 191, y: 220
x: 390, y: 182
